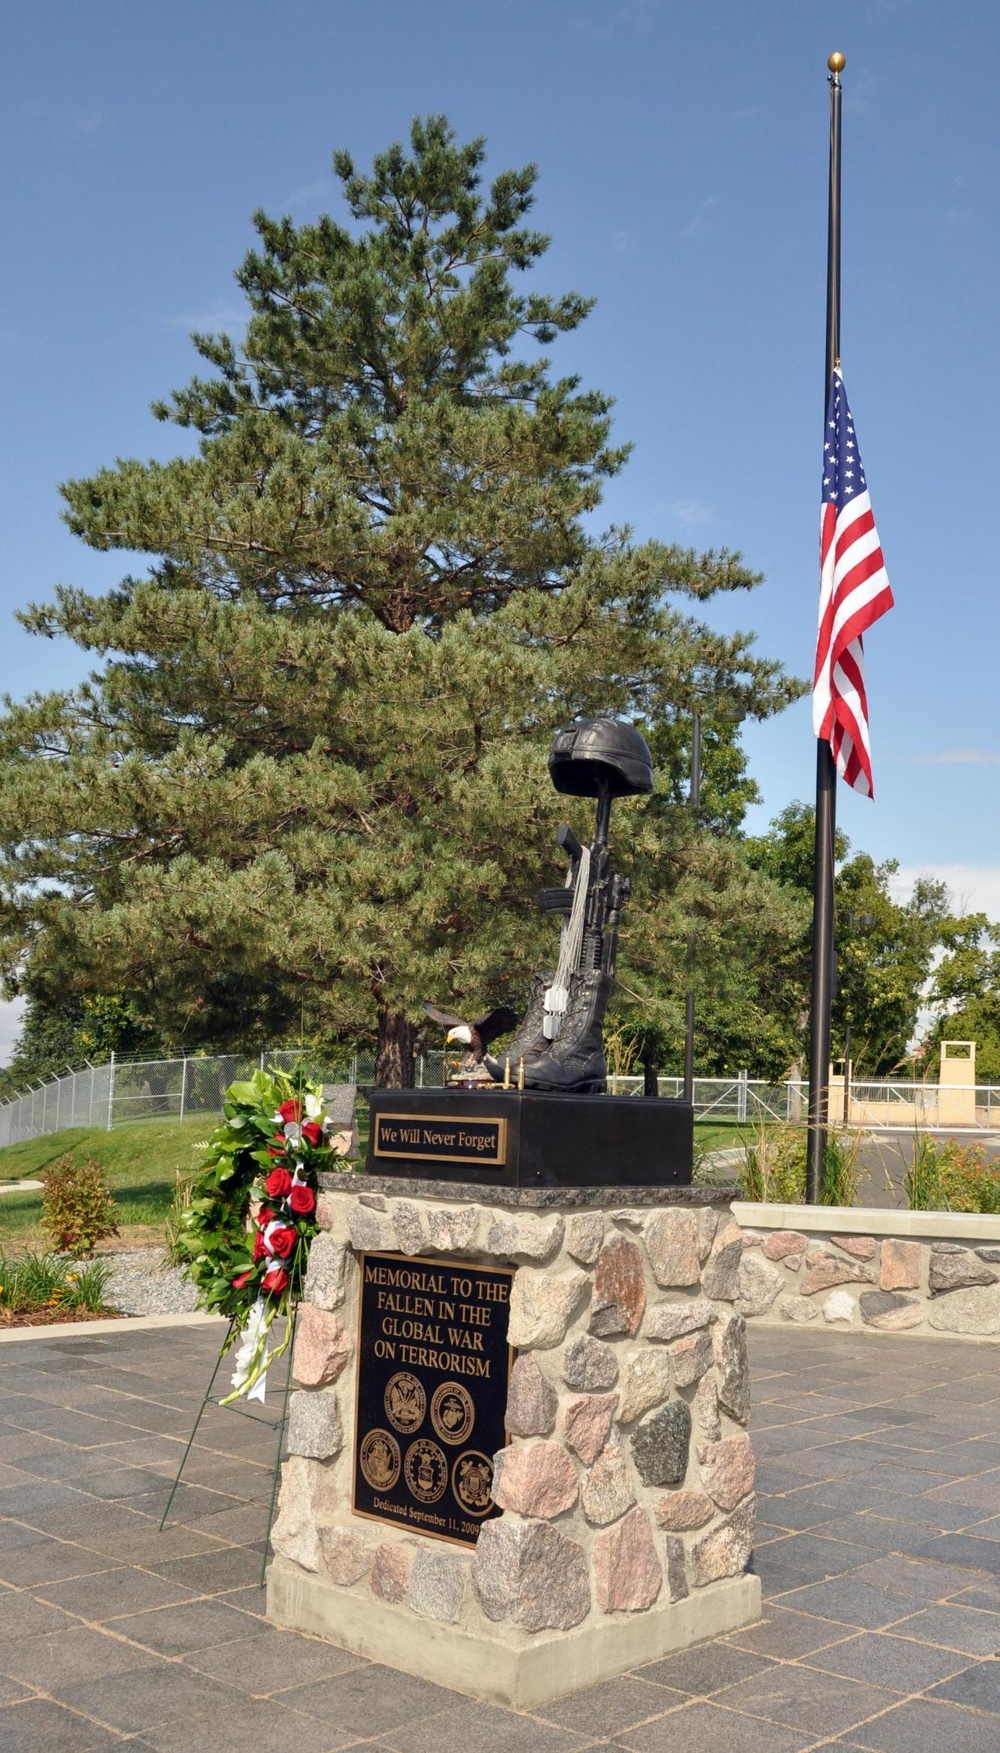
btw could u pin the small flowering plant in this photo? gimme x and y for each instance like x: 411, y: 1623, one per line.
x: 243, y: 1238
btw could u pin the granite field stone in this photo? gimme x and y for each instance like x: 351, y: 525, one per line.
x: 690, y: 1357
x: 531, y: 1400
x: 957, y: 1271
x: 899, y: 1265
x: 347, y: 1554
x: 585, y: 1236
x: 323, y: 1347
x: 839, y: 1306
x: 758, y: 1283
x: 531, y: 1573
x: 535, y: 1479
x: 975, y: 1311
x: 645, y: 1382
x: 781, y: 1243
x: 668, y: 1321
x: 628, y: 1575
x: 721, y: 1274
x: 590, y: 1363
x: 671, y: 1239
x: 725, y: 1550
x: 587, y: 1423
x: 727, y: 1470
x: 329, y: 1271
x: 660, y: 1444
x: 455, y: 1230
x: 523, y: 1236
x: 314, y: 1426
x: 607, y: 1490
x: 889, y: 1310
x: 682, y: 1511
x: 542, y: 1304
x: 619, y: 1296
x: 825, y: 1272
x: 859, y: 1247
x: 390, y: 1572
x: 408, y: 1223
x: 732, y: 1363
x: 438, y: 1583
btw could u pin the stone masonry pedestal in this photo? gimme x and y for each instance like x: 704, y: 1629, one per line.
x: 626, y: 1489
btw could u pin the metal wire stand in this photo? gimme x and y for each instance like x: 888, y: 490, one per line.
x: 255, y: 1418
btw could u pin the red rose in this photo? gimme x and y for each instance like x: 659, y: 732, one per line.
x: 265, y: 1215
x: 312, y: 1132
x: 301, y: 1199
x: 282, y: 1242
x: 259, y: 1249
x: 275, y: 1280
x: 291, y: 1111
x: 244, y: 1278
x: 278, y: 1183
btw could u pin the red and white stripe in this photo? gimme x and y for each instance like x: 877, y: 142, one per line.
x: 854, y: 592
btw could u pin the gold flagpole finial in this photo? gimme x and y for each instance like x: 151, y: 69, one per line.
x: 837, y: 62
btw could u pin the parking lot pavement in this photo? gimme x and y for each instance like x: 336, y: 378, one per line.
x: 878, y: 1550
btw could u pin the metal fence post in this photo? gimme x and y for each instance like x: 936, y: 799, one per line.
x: 111, y: 1093
x: 184, y: 1066
x: 741, y: 1097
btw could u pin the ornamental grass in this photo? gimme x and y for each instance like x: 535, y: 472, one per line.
x: 37, y: 1282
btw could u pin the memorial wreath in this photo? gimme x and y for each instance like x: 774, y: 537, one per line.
x: 243, y: 1236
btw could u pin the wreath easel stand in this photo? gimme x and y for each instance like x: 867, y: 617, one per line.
x: 280, y: 1425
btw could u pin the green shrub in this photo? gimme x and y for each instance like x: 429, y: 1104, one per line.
x: 944, y: 1175
x: 774, y: 1165
x: 43, y: 1281
x: 77, y: 1208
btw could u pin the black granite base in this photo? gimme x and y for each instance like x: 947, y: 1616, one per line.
x: 524, y: 1138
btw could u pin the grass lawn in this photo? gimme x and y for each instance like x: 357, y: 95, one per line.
x: 142, y: 1162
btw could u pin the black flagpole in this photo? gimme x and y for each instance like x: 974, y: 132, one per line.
x: 826, y: 773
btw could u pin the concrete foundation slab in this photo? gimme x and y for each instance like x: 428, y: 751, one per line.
x: 544, y: 1667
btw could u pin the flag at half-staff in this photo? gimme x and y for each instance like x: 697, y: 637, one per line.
x: 854, y: 592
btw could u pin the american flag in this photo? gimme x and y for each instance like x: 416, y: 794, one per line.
x: 853, y: 592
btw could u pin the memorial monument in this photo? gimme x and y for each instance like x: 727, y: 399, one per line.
x: 540, y: 1117
x: 518, y: 1456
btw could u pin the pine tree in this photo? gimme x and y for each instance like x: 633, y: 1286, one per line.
x: 307, y: 789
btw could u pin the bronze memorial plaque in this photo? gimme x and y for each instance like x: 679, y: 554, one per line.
x: 441, y: 1138
x: 433, y: 1367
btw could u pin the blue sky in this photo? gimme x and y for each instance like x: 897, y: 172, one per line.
x: 682, y: 154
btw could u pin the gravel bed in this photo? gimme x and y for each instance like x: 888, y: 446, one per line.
x: 142, y: 1282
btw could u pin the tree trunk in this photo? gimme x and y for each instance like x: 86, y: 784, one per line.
x: 394, y: 1055
x: 650, y: 1078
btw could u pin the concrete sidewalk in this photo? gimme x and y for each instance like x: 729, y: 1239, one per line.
x: 879, y: 1552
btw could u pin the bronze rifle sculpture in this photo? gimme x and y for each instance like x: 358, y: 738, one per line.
x: 560, y: 1043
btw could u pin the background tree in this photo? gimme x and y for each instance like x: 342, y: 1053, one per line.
x: 882, y: 968
x: 307, y: 788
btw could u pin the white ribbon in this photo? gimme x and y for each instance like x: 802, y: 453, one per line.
x: 254, y: 1336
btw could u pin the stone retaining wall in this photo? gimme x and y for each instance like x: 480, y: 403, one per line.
x: 855, y: 1269
x: 627, y: 1485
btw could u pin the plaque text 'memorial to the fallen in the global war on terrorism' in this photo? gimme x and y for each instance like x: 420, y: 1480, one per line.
x: 432, y: 1390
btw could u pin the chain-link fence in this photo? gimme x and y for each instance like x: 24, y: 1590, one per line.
x: 127, y: 1090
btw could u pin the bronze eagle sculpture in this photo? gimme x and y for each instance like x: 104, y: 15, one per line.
x: 476, y: 1036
